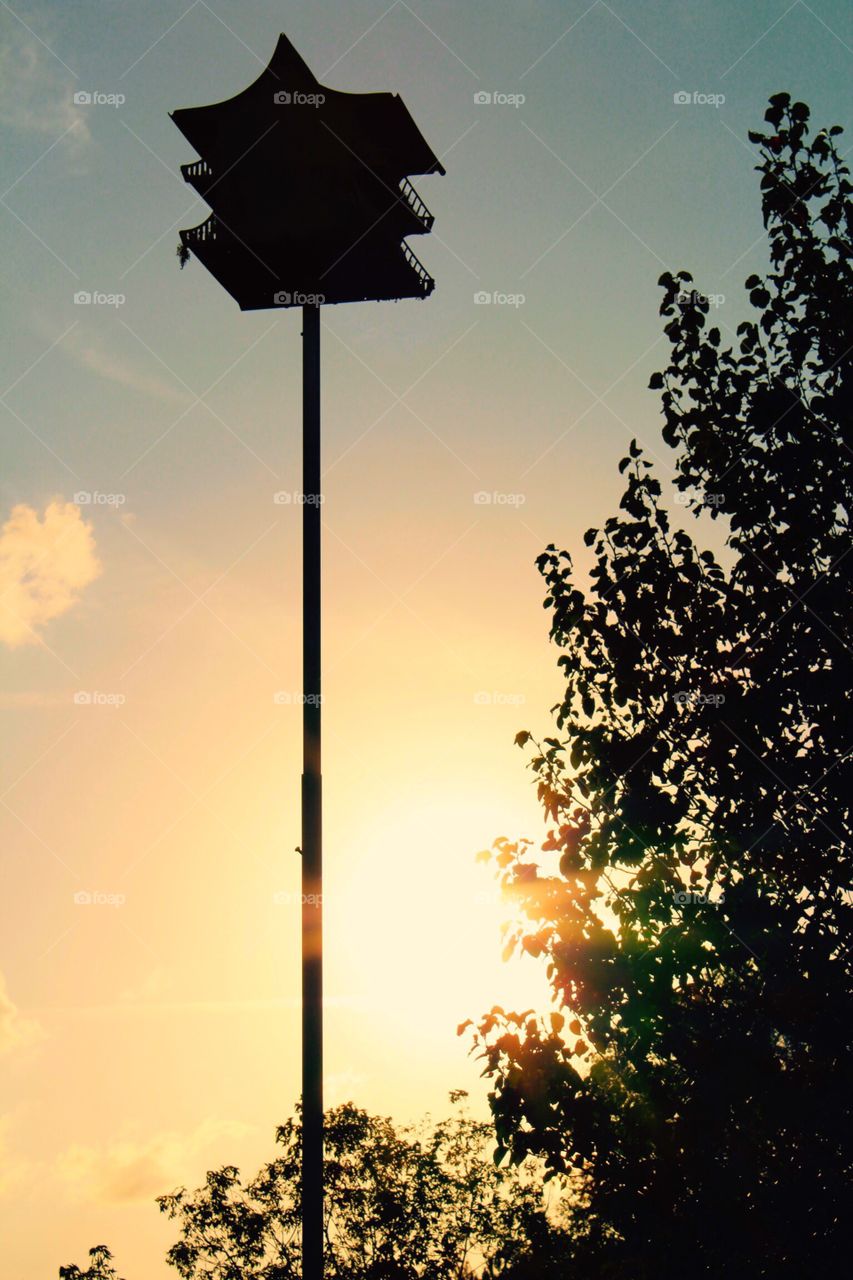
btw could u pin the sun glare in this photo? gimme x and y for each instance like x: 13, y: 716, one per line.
x: 416, y: 930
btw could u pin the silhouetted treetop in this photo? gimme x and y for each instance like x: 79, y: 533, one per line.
x: 692, y: 899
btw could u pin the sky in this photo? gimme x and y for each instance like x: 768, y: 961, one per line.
x: 149, y: 579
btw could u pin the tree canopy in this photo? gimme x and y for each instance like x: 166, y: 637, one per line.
x: 425, y: 1202
x: 100, y: 1267
x: 692, y: 899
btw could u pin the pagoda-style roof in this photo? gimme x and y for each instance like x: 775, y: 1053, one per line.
x: 308, y: 188
x: 377, y: 126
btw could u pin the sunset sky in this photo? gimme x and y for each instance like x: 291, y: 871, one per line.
x: 149, y: 582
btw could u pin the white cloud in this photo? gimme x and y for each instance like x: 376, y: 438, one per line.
x: 16, y: 1031
x: 44, y: 563
x: 130, y: 1170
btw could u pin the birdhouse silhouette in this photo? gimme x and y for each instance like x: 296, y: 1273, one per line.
x: 309, y: 191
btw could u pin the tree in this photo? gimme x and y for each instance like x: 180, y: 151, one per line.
x: 426, y: 1203
x: 692, y: 901
x: 100, y: 1267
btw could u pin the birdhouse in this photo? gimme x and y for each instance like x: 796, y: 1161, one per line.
x: 309, y: 191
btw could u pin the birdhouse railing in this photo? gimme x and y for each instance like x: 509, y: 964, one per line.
x: 426, y: 280
x: 207, y: 231
x: 416, y: 204
x: 199, y: 169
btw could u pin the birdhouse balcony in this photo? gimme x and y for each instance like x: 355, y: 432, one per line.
x: 199, y: 175
x: 425, y: 280
x: 198, y: 235
x: 265, y: 279
x: 413, y: 202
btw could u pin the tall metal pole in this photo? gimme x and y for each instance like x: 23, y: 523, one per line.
x: 312, y: 811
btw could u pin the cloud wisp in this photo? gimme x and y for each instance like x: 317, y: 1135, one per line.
x: 131, y: 1170
x: 16, y: 1031
x: 36, y: 93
